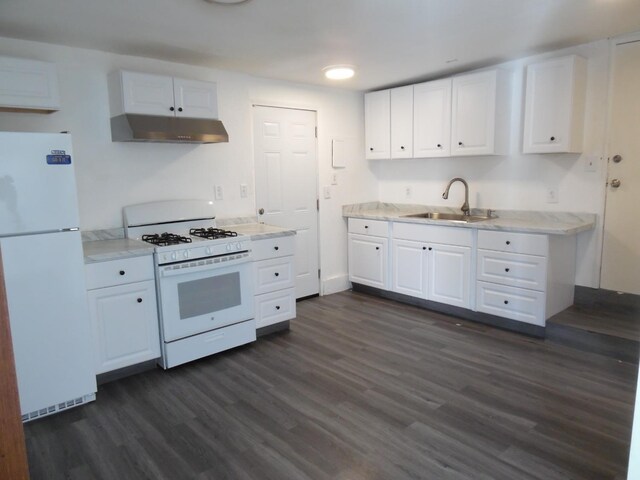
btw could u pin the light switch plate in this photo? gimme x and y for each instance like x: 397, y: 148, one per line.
x: 243, y: 190
x: 218, y: 192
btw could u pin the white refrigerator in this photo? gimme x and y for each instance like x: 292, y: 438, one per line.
x: 44, y: 273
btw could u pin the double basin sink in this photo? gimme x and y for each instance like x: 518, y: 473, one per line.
x: 451, y: 217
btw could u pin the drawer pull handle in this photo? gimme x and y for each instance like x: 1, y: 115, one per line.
x: 506, y: 302
x: 121, y: 272
x: 276, y: 248
x: 366, y: 226
x: 139, y: 300
x: 377, y: 248
x: 508, y: 242
x: 506, y: 270
x: 277, y: 274
x: 277, y: 307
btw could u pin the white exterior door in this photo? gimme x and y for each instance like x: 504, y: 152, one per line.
x: 621, y: 249
x: 287, y: 183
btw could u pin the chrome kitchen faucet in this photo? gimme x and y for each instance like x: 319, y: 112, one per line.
x: 465, y: 205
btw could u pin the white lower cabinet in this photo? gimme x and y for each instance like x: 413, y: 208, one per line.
x: 422, y: 268
x: 124, y: 315
x: 274, y: 280
x: 368, y: 260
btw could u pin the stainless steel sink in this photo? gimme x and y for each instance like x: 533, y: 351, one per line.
x: 452, y: 217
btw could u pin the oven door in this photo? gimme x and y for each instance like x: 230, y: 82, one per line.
x: 202, y: 298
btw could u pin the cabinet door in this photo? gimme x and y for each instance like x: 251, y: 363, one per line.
x: 125, y: 325
x: 194, y: 99
x: 449, y: 275
x: 28, y: 84
x: 377, y: 121
x: 432, y: 119
x: 474, y: 110
x: 368, y: 260
x: 409, y: 268
x: 550, y: 102
x: 147, y: 94
x: 402, y: 122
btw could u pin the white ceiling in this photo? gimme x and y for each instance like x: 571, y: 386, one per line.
x: 389, y: 41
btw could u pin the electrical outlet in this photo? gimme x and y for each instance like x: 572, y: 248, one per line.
x: 552, y: 194
x: 334, y: 179
x: 243, y: 190
x: 591, y: 163
x: 407, y: 191
x: 326, y: 190
x: 219, y: 194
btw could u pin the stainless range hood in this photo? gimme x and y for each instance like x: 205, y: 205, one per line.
x: 131, y: 127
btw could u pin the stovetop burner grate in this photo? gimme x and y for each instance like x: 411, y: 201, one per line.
x: 164, y: 239
x: 211, y: 233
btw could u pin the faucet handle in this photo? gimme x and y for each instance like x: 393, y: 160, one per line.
x: 490, y: 213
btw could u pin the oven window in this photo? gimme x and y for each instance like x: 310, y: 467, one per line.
x: 208, y: 295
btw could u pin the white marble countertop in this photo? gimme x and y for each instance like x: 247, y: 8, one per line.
x: 554, y: 223
x: 113, y: 249
x: 103, y: 250
x: 259, y: 231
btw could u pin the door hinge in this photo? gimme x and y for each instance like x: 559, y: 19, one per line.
x: 316, y: 130
x: 318, y: 273
x: 318, y: 204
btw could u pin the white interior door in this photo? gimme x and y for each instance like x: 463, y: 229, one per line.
x: 287, y: 185
x: 621, y: 248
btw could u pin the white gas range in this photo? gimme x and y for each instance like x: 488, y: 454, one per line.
x: 203, y: 278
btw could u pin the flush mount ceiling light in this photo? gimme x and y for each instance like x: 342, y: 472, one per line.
x: 339, y: 72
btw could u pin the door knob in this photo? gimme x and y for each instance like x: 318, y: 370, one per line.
x: 615, y: 183
x: 261, y: 211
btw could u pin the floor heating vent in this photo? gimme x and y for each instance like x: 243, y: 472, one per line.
x: 43, y: 412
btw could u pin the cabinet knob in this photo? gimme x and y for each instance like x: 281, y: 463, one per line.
x: 179, y: 109
x: 424, y: 248
x: 171, y: 109
x: 553, y: 139
x: 366, y: 226
x: 121, y: 272
x: 506, y: 302
x: 277, y: 307
x: 377, y: 248
x: 460, y: 143
x: 439, y: 145
x: 277, y: 274
x: 276, y: 248
x: 506, y: 270
x: 508, y: 242
x: 401, y: 147
x: 430, y: 248
x: 139, y: 300
x: 371, y: 148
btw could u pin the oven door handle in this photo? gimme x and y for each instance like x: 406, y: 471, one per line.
x: 169, y: 271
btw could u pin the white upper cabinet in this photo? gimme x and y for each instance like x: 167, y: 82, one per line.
x: 402, y: 122
x: 554, y: 105
x: 432, y: 119
x: 28, y: 85
x: 377, y: 120
x: 481, y: 113
x: 142, y: 93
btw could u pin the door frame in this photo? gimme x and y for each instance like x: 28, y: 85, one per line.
x: 613, y: 43
x: 306, y: 108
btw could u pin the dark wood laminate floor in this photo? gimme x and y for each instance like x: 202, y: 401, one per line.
x: 360, y: 388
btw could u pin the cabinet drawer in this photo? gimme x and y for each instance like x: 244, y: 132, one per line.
x: 377, y: 228
x: 271, y: 275
x: 462, y: 237
x: 529, y: 243
x: 273, y: 247
x: 119, y: 272
x: 516, y: 303
x: 512, y: 269
x: 275, y: 307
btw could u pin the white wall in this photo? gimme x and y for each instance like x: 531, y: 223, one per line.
x: 111, y: 175
x: 518, y: 181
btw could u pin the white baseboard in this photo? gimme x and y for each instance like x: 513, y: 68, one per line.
x: 336, y: 284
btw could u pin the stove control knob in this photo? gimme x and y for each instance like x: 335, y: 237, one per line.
x: 207, y: 250
x: 173, y: 256
x: 186, y: 254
